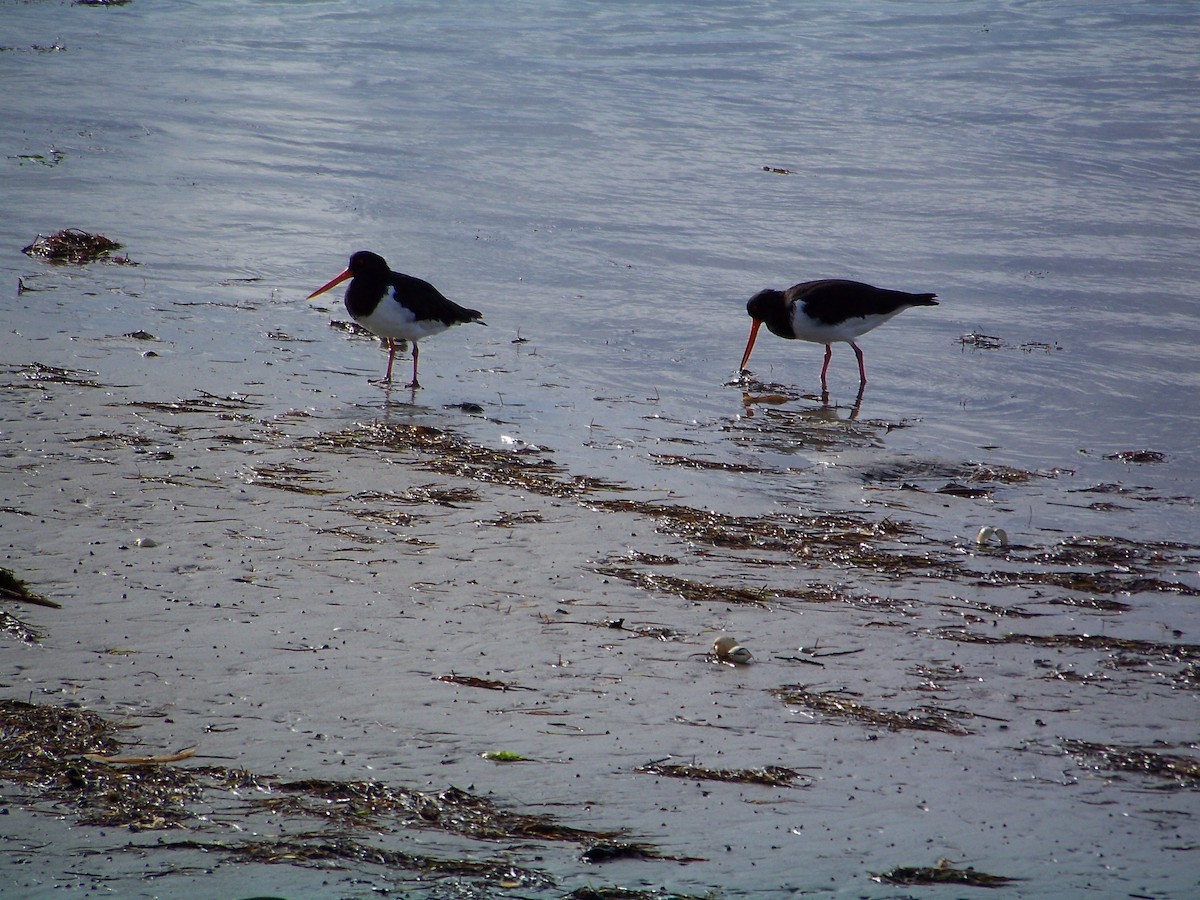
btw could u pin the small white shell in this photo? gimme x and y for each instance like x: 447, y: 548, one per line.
x: 987, y: 533
x: 728, y: 649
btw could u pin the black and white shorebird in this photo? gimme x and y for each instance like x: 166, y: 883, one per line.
x: 394, y: 306
x: 826, y: 312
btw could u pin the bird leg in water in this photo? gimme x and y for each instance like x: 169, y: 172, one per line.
x: 862, y: 370
x: 416, y: 353
x: 391, y: 356
x: 825, y: 368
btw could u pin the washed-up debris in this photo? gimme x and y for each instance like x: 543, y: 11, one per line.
x: 54, y: 157
x: 619, y: 893
x: 793, y: 534
x: 988, y: 535
x: 437, y: 494
x: 53, y: 746
x: 769, y: 776
x: 1136, y: 493
x: 466, y: 406
x: 368, y: 803
x: 1073, y: 677
x: 706, y: 592
x: 727, y: 649
x: 1138, y: 456
x: 970, y: 479
x: 1100, y: 642
x: 489, y: 684
x: 504, y: 756
x: 818, y: 428
x: 1183, y: 770
x: 128, y: 760
x: 962, y: 490
x: 693, y: 591
x: 72, y: 246
x: 355, y: 329
x: 976, y: 341
x: 1103, y: 604
x: 658, y: 632
x: 385, y: 517
x: 15, y: 590
x: 19, y: 630
x: 1106, y: 582
x: 942, y: 873
x: 691, y: 462
x: 651, y: 559
x: 612, y: 851
x: 73, y: 760
x: 836, y: 704
x: 448, y: 453
x: 287, y: 477
x: 519, y: 445
x: 40, y: 373
x: 230, y: 408
x: 512, y: 519
x: 1134, y: 556
x: 339, y: 850
x: 976, y: 611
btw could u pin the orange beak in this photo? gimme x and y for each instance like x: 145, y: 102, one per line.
x: 749, y: 344
x: 334, y: 283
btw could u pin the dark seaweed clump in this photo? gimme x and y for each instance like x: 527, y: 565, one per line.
x: 447, y: 453
x: 619, y: 893
x: 475, y: 681
x: 14, y: 590
x: 1184, y: 771
x: 71, y: 759
x: 769, y: 776
x: 837, y: 705
x: 45, y: 746
x: 942, y: 873
x: 71, y: 245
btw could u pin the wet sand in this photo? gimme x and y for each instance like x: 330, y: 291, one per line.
x: 375, y: 591
x: 415, y: 639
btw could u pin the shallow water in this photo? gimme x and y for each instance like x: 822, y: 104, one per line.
x: 591, y: 176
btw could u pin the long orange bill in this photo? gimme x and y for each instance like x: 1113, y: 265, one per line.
x: 749, y: 344
x: 334, y: 283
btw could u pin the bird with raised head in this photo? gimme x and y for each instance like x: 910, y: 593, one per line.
x: 394, y: 306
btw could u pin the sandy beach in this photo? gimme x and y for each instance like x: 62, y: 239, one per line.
x: 304, y: 635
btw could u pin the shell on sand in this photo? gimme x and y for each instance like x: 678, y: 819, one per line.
x: 728, y: 649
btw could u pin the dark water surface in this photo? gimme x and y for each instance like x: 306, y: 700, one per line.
x: 591, y: 176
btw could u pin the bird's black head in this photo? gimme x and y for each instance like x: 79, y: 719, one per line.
x: 369, y: 264
x: 764, y: 303
x: 772, y: 309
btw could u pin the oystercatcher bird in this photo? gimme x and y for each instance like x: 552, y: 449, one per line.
x: 828, y: 311
x: 391, y: 305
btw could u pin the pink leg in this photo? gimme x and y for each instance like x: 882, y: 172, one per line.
x: 828, y: 356
x: 862, y: 371
x: 416, y: 353
x: 391, y: 356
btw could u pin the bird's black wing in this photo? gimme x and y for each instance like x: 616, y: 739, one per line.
x: 834, y: 300
x: 427, y: 302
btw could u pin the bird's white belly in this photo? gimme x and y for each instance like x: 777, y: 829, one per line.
x: 389, y: 319
x: 807, y: 329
